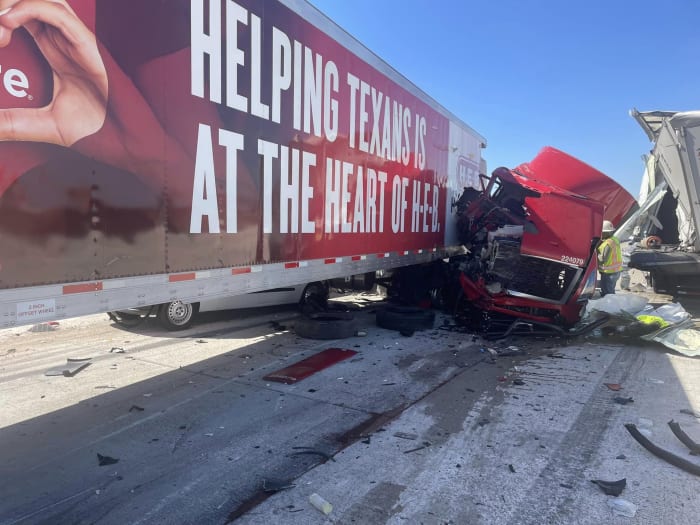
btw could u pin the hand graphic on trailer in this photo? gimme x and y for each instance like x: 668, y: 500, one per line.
x: 79, y: 104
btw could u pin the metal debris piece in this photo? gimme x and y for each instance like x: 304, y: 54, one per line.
x: 611, y: 488
x: 72, y: 367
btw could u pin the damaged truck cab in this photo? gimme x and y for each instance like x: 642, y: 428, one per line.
x: 531, y: 235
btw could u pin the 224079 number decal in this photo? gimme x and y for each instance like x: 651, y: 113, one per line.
x: 578, y: 261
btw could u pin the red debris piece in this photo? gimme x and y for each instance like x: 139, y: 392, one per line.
x: 614, y: 386
x: 306, y: 367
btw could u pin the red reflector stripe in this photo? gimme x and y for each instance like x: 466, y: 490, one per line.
x: 82, y: 288
x: 239, y: 271
x: 179, y: 277
x: 290, y: 265
x: 357, y: 257
x: 330, y: 261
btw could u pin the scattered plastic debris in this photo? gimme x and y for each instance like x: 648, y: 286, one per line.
x: 622, y: 506
x: 613, y: 386
x: 623, y: 400
x: 117, y: 350
x: 136, y: 408
x: 103, y: 461
x: 611, y: 488
x: 72, y: 367
x: 406, y: 435
x: 644, y: 422
x: 45, y: 327
x: 320, y: 504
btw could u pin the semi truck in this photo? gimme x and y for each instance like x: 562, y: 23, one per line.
x: 662, y: 237
x: 161, y: 154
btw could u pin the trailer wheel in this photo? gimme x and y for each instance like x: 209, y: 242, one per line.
x: 314, y: 298
x: 177, y: 315
x: 327, y: 325
x: 405, y: 319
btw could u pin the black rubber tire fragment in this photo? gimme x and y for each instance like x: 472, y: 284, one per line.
x: 684, y: 438
x: 674, y: 460
x: 405, y: 319
x: 326, y: 325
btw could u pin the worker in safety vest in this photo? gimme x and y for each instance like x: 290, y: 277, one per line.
x: 609, y: 259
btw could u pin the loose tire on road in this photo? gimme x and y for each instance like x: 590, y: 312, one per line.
x: 326, y: 325
x: 405, y: 319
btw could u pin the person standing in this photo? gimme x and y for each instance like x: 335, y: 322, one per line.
x: 609, y: 259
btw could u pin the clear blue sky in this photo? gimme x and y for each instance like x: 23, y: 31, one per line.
x: 531, y: 73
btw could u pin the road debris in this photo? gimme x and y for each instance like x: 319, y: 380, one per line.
x: 623, y: 400
x: 309, y: 366
x: 45, y: 327
x: 684, y: 438
x: 611, y: 488
x: 320, y: 504
x: 690, y: 412
x: 275, y: 485
x: 511, y: 468
x: 613, y: 386
x: 425, y: 444
x: 136, y: 408
x: 72, y: 367
x: 623, y: 507
x: 117, y: 350
x: 677, y: 461
x: 103, y: 461
x: 406, y: 435
x: 308, y: 450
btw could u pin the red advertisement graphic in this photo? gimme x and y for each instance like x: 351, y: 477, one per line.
x: 143, y: 136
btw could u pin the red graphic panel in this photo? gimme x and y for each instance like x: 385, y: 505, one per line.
x: 255, y: 140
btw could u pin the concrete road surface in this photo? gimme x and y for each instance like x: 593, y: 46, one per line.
x: 429, y: 429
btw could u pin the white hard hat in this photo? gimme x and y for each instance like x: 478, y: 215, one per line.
x: 608, y: 227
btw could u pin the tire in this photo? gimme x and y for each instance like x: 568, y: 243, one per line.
x: 405, y: 319
x: 331, y: 325
x: 314, y: 298
x: 177, y: 315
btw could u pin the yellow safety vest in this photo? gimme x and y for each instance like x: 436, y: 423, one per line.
x: 613, y: 263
